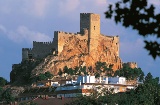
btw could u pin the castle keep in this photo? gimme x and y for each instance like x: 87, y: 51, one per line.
x: 89, y: 31
x: 85, y: 47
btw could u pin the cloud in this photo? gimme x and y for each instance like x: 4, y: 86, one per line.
x: 23, y: 34
x: 44, y: 8
x: 2, y: 29
x: 66, y: 6
x: 37, y: 8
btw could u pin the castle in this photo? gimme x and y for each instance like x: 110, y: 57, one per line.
x: 75, y: 49
x: 89, y: 31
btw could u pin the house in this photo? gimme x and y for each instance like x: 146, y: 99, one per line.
x: 86, y: 85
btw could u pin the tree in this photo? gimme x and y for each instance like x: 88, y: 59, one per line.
x: 102, y: 67
x: 76, y: 69
x: 45, y: 76
x: 1, y: 91
x: 70, y: 71
x: 2, y: 81
x: 141, y: 16
x: 130, y: 73
x: 48, y: 75
x: 42, y: 77
x: 60, y: 72
x: 65, y: 69
x: 145, y: 94
x: 7, y: 96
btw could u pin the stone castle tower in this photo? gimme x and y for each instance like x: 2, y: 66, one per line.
x: 92, y: 23
x: 89, y: 30
x: 85, y: 47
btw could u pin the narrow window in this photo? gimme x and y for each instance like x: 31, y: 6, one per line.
x: 94, y: 27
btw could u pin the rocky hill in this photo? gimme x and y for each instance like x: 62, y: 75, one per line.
x: 75, y: 53
x: 83, y: 48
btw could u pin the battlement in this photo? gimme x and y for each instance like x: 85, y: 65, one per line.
x: 89, y: 30
x: 70, y: 33
x: 45, y: 43
x: 85, y: 14
x: 66, y: 33
x: 131, y: 64
x: 26, y: 49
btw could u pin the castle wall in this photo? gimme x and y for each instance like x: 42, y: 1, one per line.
x: 131, y: 64
x: 110, y: 44
x: 25, y: 53
x: 61, y: 38
x: 84, y: 21
x: 41, y: 49
x: 92, y: 23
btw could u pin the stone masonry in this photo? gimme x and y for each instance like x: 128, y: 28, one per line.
x: 76, y: 49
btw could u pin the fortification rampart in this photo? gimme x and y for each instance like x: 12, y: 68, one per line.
x: 89, y: 31
x: 25, y: 53
x: 111, y: 43
x: 131, y: 64
x: 61, y: 38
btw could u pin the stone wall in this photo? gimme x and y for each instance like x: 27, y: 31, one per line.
x: 75, y: 49
x: 131, y: 64
x: 39, y: 50
x: 64, y: 37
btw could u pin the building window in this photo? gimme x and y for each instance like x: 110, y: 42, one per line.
x: 94, y: 27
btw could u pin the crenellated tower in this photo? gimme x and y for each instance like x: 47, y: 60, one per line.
x: 91, y: 21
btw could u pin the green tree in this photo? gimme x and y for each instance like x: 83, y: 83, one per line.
x: 145, y: 94
x: 1, y: 91
x: 42, y: 77
x: 83, y: 70
x: 7, y: 96
x: 102, y: 67
x: 48, y: 75
x: 140, y: 16
x: 65, y: 69
x: 130, y: 73
x: 2, y: 81
x: 70, y: 71
x: 60, y: 72
x: 76, y: 69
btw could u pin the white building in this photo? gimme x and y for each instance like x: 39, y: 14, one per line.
x: 87, y: 84
x: 116, y: 80
x: 86, y: 79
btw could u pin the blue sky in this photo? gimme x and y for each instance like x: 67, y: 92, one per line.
x: 24, y: 21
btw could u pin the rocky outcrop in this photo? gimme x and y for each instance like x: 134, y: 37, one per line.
x: 75, y: 53
x: 83, y: 48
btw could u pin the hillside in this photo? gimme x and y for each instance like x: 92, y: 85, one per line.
x: 83, y: 48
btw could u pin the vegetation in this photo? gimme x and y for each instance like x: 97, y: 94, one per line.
x: 6, y: 96
x: 22, y: 72
x: 47, y: 75
x: 147, y: 93
x: 3, y: 82
x: 102, y: 67
x: 60, y: 72
x: 130, y: 73
x: 145, y: 21
x: 76, y: 71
